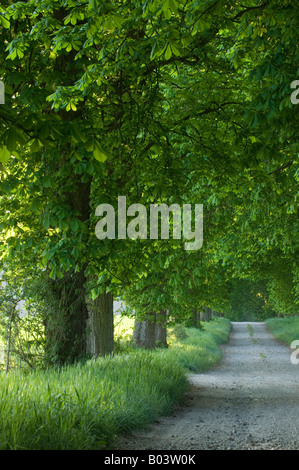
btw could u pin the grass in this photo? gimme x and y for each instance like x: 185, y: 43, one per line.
x: 86, y: 405
x: 200, y: 351
x: 284, y: 329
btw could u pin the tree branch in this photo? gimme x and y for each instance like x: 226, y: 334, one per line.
x: 258, y: 7
x: 283, y: 167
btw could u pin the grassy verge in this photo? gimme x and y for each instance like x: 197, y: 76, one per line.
x: 200, y: 350
x: 86, y: 405
x: 284, y: 329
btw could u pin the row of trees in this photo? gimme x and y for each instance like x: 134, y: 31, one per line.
x: 162, y: 102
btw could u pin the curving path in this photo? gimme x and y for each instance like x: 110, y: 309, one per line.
x: 250, y: 401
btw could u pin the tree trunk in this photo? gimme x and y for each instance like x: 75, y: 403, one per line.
x: 137, y: 331
x: 65, y: 325
x: 196, y: 317
x: 206, y: 314
x: 65, y: 328
x: 161, y: 328
x: 145, y: 332
x: 100, y: 326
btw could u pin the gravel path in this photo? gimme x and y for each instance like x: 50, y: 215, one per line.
x: 249, y: 401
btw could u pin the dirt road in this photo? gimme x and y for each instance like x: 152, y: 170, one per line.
x: 249, y: 401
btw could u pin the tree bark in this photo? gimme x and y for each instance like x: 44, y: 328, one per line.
x: 65, y: 325
x: 196, y: 317
x: 137, y: 332
x: 145, y: 332
x: 161, y: 328
x: 100, y: 326
x: 206, y: 314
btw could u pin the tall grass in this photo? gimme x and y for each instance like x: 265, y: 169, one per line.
x: 199, y: 351
x: 284, y: 329
x: 84, y: 406
x: 219, y: 328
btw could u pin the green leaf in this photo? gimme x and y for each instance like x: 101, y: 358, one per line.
x: 47, y: 182
x: 175, y: 50
x: 11, y: 140
x: 5, y: 22
x: 12, y: 55
x: 4, y: 154
x: 168, y: 52
x: 44, y: 131
x: 35, y: 145
x: 71, y: 106
x: 20, y: 53
x: 74, y: 225
x: 99, y: 153
x: 36, y: 205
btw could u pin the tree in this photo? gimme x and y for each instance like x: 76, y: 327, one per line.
x: 103, y: 95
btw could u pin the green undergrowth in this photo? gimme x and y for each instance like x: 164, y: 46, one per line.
x: 200, y: 350
x: 85, y: 406
x: 284, y: 329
